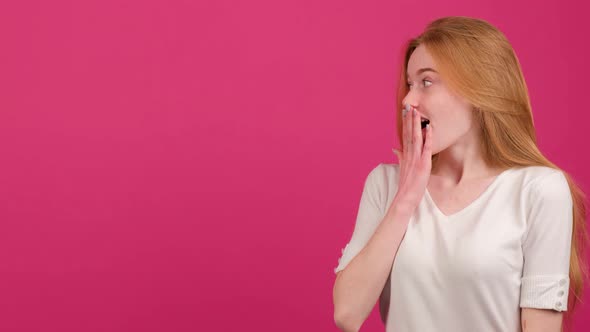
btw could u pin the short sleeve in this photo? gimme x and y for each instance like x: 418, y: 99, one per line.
x: 547, y: 243
x: 368, y: 218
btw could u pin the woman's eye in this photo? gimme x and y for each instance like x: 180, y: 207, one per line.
x: 426, y: 82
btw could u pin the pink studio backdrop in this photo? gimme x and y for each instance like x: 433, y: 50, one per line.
x: 197, y: 165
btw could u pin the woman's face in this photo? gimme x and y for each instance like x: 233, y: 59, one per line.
x: 450, y: 115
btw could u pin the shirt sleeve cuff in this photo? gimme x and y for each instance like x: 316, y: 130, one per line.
x: 344, y: 259
x: 545, y: 292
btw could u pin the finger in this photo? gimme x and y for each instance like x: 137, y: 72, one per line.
x: 404, y: 141
x: 416, y: 134
x: 397, y: 153
x: 427, y: 149
x: 407, y: 131
x: 399, y: 157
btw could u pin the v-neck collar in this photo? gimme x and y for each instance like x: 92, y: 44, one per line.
x: 469, y: 206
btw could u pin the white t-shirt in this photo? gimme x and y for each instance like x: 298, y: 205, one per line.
x: 475, y: 269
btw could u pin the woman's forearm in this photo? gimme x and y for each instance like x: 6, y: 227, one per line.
x: 358, y: 286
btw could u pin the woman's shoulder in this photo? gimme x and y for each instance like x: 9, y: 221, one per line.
x: 382, y: 183
x: 536, y: 175
x: 540, y: 183
x: 384, y: 171
x: 526, y: 173
x: 384, y: 177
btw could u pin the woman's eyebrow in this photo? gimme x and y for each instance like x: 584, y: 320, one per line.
x: 422, y: 70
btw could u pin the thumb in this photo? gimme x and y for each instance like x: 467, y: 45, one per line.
x: 397, y: 153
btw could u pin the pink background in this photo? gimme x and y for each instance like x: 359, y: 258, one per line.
x: 197, y: 165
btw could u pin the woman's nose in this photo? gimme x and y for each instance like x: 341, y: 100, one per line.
x: 411, y: 99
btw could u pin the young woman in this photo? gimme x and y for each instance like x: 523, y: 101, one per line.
x: 474, y: 229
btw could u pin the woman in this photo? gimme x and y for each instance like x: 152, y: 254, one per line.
x: 474, y: 230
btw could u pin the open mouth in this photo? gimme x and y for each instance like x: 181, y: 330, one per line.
x: 424, y: 122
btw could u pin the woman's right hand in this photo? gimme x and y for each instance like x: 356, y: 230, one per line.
x: 415, y: 160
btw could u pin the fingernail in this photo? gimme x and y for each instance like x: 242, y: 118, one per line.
x: 407, y: 107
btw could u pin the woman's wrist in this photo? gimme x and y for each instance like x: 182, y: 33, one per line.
x: 401, y: 209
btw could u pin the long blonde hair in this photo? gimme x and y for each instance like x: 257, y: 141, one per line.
x: 477, y: 62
